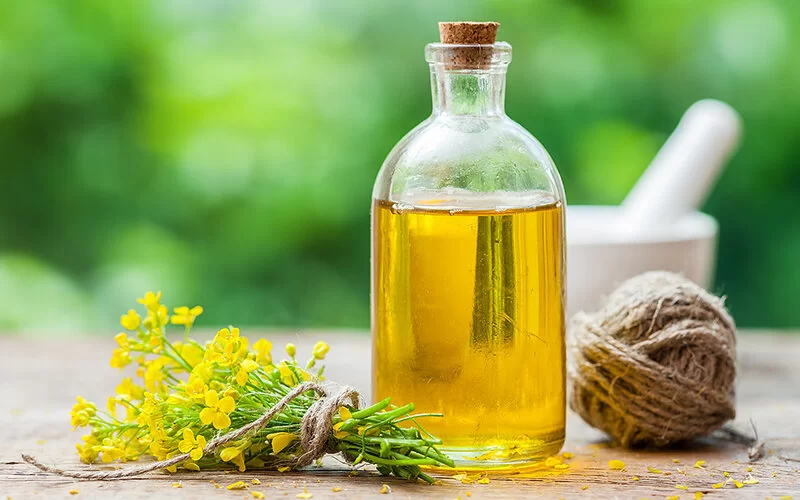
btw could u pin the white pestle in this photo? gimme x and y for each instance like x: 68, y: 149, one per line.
x: 685, y: 169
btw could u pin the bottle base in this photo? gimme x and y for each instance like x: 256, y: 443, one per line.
x: 499, y: 456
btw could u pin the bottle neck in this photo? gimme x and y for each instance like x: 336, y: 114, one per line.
x: 475, y: 92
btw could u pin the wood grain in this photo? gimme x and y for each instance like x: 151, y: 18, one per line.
x: 39, y: 379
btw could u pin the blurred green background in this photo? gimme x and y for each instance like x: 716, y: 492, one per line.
x: 224, y: 152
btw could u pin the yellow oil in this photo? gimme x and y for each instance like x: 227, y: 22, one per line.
x: 468, y: 320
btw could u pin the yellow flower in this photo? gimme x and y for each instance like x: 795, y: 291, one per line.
x: 82, y: 412
x: 185, y: 316
x: 191, y: 466
x: 196, y: 388
x: 121, y: 357
x: 130, y: 321
x: 263, y: 348
x: 129, y: 389
x: 345, y: 413
x: 238, y: 485
x: 320, y: 350
x: 287, y: 375
x: 111, y: 405
x: 110, y: 451
x: 338, y: 433
x: 227, y: 348
x: 193, y: 446
x: 280, y: 440
x: 156, y: 319
x: 291, y: 350
x: 89, y: 450
x: 154, y: 375
x: 217, y: 410
x: 247, y: 366
x: 235, y: 455
x: 151, y: 301
x: 191, y: 353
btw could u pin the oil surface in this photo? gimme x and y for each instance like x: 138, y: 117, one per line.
x: 468, y: 320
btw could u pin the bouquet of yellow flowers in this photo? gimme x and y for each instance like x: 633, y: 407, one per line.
x: 228, y: 402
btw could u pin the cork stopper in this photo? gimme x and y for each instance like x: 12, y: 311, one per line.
x: 469, y: 33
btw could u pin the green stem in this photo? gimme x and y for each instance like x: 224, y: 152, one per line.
x: 367, y: 412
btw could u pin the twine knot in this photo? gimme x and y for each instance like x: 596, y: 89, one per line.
x: 315, y: 429
x: 657, y: 364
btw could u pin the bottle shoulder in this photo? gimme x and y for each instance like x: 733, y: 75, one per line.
x: 482, y: 154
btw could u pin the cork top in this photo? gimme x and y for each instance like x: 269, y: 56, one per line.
x: 466, y: 45
x: 468, y: 33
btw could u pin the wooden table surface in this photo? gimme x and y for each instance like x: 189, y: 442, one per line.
x: 39, y: 379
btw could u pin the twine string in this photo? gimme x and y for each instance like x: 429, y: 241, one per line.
x: 314, y: 431
x: 657, y: 364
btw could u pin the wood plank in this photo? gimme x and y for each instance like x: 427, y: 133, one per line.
x: 40, y: 378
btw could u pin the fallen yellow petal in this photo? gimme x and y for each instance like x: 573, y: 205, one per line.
x: 616, y: 465
x: 238, y: 485
x: 673, y: 497
x: 682, y: 487
x: 738, y: 484
x: 699, y: 464
x: 654, y: 470
x: 73, y: 492
x: 484, y: 480
x: 561, y: 466
x: 567, y: 455
x: 385, y: 489
x: 551, y: 461
x: 177, y: 485
x: 336, y: 489
x: 749, y: 468
x: 785, y: 497
x: 750, y: 481
x: 717, y: 486
x: 635, y: 478
x: 304, y: 494
x: 698, y: 495
x: 585, y: 487
x: 258, y: 494
x: 285, y: 468
x: 726, y: 474
x: 255, y: 481
x: 675, y: 461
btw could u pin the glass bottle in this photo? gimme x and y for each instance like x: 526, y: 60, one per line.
x: 468, y: 270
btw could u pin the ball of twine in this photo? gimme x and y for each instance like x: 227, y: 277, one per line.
x: 657, y: 364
